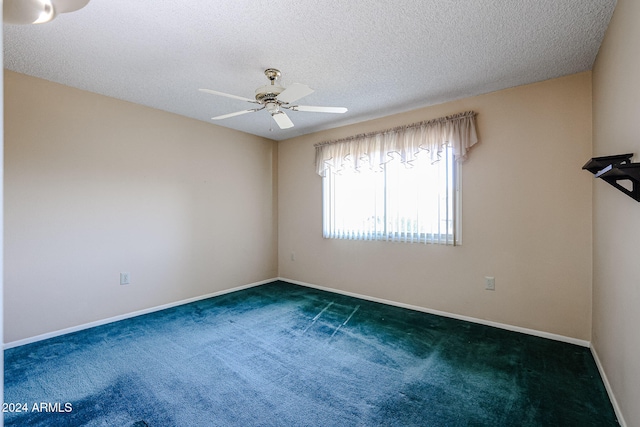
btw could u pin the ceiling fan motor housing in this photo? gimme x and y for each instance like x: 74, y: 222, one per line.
x: 268, y: 93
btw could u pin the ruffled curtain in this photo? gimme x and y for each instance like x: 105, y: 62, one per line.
x: 373, y: 150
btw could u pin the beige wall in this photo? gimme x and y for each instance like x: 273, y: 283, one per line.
x: 526, y: 217
x: 616, y: 273
x: 95, y: 186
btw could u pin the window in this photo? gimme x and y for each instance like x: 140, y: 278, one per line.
x: 417, y: 202
x: 402, y: 184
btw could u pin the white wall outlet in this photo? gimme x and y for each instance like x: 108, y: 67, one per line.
x: 125, y: 278
x: 293, y: 256
x: 490, y: 283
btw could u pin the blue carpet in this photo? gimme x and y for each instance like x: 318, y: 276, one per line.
x: 286, y: 355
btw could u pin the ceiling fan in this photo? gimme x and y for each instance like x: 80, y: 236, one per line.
x: 274, y: 98
x: 23, y: 12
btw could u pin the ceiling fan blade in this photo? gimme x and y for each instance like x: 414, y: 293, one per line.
x: 282, y: 120
x: 24, y: 12
x: 294, y: 92
x: 215, y: 92
x: 314, y: 109
x: 237, y: 113
x: 63, y: 6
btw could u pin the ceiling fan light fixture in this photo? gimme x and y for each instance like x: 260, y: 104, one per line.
x: 272, y: 108
x: 25, y: 12
x: 47, y: 13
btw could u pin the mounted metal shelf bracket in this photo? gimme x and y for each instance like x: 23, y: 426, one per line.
x: 617, y: 171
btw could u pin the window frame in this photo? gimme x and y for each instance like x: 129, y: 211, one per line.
x: 449, y: 239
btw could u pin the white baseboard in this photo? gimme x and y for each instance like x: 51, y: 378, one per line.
x: 533, y: 332
x: 129, y: 315
x: 527, y: 331
x: 607, y: 385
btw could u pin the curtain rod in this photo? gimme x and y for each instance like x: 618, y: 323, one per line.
x: 399, y: 128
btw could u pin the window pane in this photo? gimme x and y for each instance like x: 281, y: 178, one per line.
x: 356, y: 200
x: 401, y: 203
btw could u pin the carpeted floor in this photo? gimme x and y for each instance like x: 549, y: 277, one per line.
x: 286, y: 355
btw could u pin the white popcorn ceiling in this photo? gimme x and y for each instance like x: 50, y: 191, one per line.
x: 374, y: 57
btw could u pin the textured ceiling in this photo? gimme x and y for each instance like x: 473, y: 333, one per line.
x: 374, y: 57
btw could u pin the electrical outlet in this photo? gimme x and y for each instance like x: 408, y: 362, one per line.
x: 490, y: 283
x: 125, y: 278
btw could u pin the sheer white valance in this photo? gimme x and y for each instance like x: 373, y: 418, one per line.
x: 372, y: 150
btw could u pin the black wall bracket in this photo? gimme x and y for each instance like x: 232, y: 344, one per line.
x: 617, y: 171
